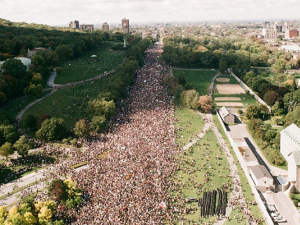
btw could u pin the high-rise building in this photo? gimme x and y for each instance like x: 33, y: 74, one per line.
x: 74, y: 24
x: 125, y: 25
x: 87, y: 27
x: 291, y: 33
x: 105, y: 27
x: 269, y: 34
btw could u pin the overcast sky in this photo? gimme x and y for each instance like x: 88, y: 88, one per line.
x: 61, y: 12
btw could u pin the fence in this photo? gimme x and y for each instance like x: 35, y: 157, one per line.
x: 245, y: 87
x: 257, y: 197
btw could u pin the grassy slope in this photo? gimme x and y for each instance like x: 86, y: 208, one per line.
x: 69, y: 103
x: 203, y: 154
x: 189, y: 124
x: 85, y: 67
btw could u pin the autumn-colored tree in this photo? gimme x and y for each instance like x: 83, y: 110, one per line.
x: 82, y: 128
x: 205, y: 103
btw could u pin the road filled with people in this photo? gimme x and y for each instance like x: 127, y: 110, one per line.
x: 130, y: 184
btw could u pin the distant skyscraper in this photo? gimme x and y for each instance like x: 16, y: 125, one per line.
x: 125, y: 26
x: 269, y: 34
x: 74, y: 24
x: 105, y: 27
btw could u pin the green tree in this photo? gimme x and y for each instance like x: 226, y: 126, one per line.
x: 14, y: 68
x: 64, y: 52
x: 6, y: 149
x: 30, y: 122
x: 99, y: 123
x: 252, y: 112
x: 37, y: 79
x: 99, y: 107
x: 22, y: 146
x: 222, y: 66
x: 8, y: 133
x: 52, y: 129
x: 181, y: 79
x: 82, y: 128
x: 190, y: 99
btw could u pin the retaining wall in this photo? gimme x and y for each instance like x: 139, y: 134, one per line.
x: 257, y: 197
x: 245, y: 87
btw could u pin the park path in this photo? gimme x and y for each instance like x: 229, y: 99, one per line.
x: 36, y: 180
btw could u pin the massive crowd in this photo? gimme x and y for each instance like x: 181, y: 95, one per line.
x: 130, y: 184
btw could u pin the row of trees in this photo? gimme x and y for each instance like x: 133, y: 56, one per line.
x: 268, y: 138
x: 209, y: 52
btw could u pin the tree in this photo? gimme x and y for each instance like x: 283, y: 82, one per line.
x: 52, y: 129
x: 99, y: 123
x: 8, y: 133
x: 270, y: 97
x: 252, y: 112
x: 33, y: 90
x: 99, y: 107
x: 14, y: 68
x: 181, y: 79
x: 64, y: 52
x: 37, y: 79
x: 190, y: 99
x: 6, y: 149
x: 205, y: 103
x: 222, y: 66
x: 22, y: 146
x: 279, y: 66
x: 45, y: 215
x: 3, y: 98
x: 41, y: 119
x: 57, y: 190
x: 82, y: 128
x: 30, y: 122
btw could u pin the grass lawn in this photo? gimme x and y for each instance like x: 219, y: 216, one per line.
x: 85, y: 67
x: 244, y: 182
x: 201, y: 170
x: 17, y: 105
x: 200, y: 79
x: 188, y: 123
x: 69, y: 103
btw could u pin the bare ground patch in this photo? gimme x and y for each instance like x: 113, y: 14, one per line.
x: 220, y: 99
x: 223, y: 79
x: 227, y: 89
x: 229, y: 104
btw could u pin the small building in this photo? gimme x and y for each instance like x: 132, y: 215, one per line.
x: 125, y: 26
x: 74, y: 24
x: 34, y: 51
x: 261, y: 177
x: 226, y: 115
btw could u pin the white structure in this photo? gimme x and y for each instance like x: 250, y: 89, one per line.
x: 290, y: 149
x: 261, y: 177
x: 35, y: 50
x: 226, y: 116
x: 26, y: 62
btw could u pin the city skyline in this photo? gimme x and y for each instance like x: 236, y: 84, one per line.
x: 56, y: 12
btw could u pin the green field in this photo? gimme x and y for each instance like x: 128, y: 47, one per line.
x: 85, y: 67
x: 188, y: 124
x: 69, y: 103
x: 18, y: 104
x: 200, y: 171
x: 200, y: 79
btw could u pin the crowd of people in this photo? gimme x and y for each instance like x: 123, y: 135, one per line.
x: 130, y: 184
